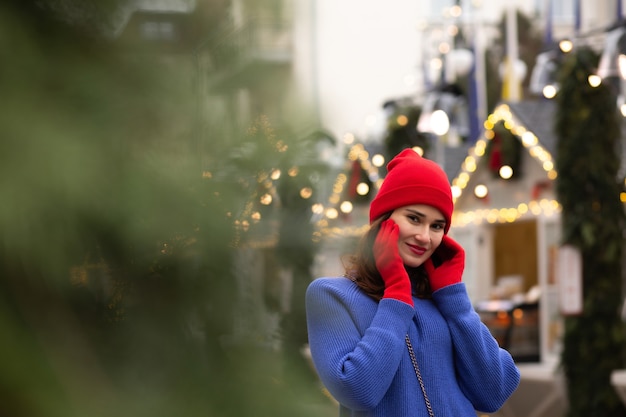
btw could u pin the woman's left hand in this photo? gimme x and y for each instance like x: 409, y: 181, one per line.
x: 450, y: 271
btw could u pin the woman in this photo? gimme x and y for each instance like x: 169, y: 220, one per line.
x: 402, y: 292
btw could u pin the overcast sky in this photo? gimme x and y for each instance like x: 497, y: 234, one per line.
x: 367, y: 50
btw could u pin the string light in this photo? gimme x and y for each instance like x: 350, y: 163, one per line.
x: 481, y: 191
x: 566, y: 45
x: 332, y: 213
x: 372, y: 163
x: 594, y: 80
x: 530, y: 141
x: 306, y: 192
x: 362, y: 188
x: 275, y: 175
x: 317, y: 208
x: 378, y: 160
x: 505, y: 172
x: 549, y: 91
x: 546, y: 207
x: 266, y: 199
x: 346, y: 207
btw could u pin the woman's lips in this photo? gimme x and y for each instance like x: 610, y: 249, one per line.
x: 417, y: 250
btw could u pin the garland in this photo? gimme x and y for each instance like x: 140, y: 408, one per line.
x: 588, y: 131
x: 505, y: 148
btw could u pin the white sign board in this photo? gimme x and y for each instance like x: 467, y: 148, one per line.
x: 570, y: 279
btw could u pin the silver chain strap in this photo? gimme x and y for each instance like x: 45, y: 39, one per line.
x: 419, y: 375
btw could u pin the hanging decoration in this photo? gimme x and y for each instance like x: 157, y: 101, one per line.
x: 479, y: 154
x: 504, y: 149
x: 358, y: 178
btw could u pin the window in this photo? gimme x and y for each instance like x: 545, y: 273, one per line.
x: 154, y: 31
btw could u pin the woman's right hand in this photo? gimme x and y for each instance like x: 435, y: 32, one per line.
x: 390, y: 265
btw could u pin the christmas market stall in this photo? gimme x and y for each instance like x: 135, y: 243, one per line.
x: 508, y: 219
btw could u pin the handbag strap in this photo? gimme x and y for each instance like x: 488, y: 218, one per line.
x: 419, y: 375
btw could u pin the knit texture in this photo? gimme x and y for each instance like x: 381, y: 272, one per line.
x: 389, y: 263
x: 451, y: 260
x: 358, y: 349
x: 412, y: 179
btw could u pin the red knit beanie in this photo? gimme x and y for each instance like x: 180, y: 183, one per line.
x: 412, y: 179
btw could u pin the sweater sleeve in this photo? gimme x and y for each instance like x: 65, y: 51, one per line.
x: 487, y: 373
x: 356, y: 365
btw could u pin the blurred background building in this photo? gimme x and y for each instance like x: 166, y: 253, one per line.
x: 361, y: 65
x: 296, y: 106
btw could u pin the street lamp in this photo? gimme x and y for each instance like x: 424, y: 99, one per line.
x: 439, y: 125
x: 544, y: 74
x: 439, y: 122
x: 610, y: 64
x: 445, y: 114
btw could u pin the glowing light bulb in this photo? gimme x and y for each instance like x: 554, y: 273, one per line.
x: 481, y: 191
x: 505, y: 172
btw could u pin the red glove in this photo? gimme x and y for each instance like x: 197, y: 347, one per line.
x: 390, y: 265
x: 451, y: 260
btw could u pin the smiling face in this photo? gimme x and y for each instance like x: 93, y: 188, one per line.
x: 421, y: 231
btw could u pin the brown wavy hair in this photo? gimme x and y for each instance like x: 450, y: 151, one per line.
x: 360, y: 267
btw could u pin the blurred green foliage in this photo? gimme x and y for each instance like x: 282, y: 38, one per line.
x: 117, y: 287
x: 588, y: 127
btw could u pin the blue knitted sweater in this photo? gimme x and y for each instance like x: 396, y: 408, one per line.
x: 359, y: 351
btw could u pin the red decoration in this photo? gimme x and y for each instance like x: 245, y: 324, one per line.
x: 355, y: 177
x: 539, y: 187
x: 495, y: 157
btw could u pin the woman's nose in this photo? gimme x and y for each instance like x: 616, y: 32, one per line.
x: 421, y: 234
